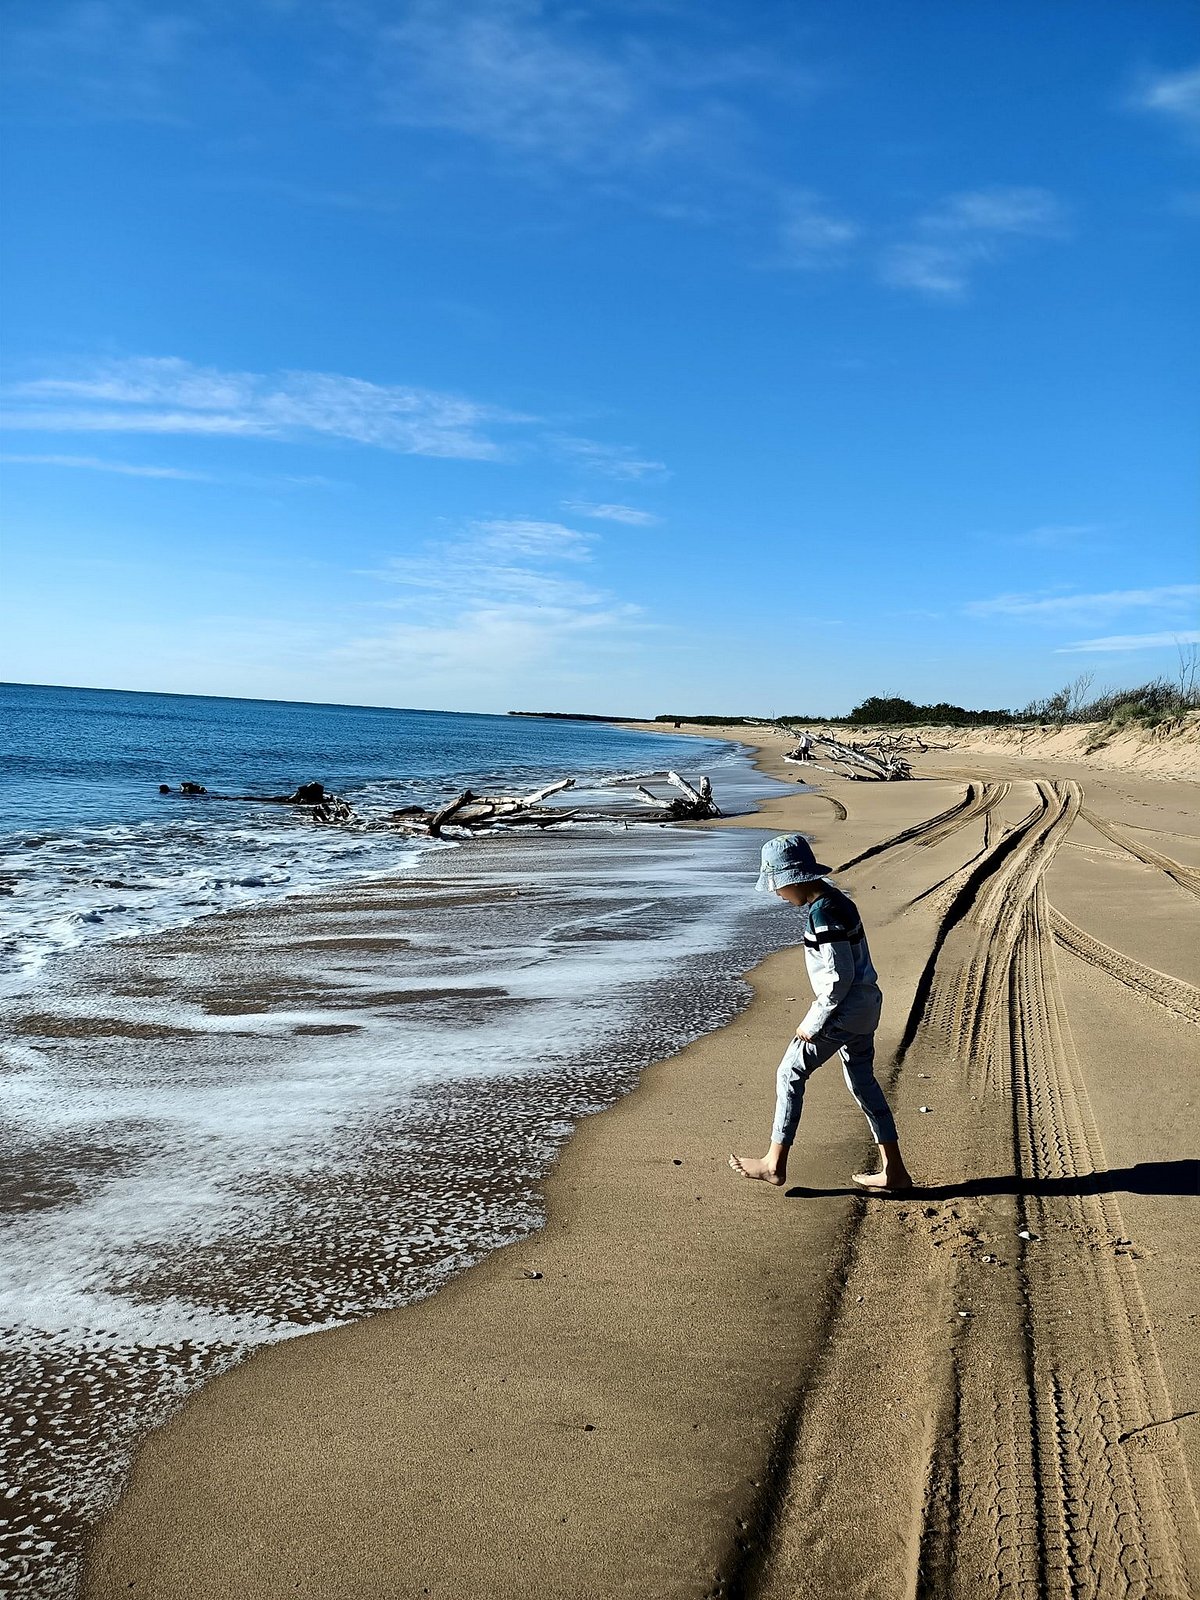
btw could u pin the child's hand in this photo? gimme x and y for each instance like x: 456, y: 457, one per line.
x: 803, y: 1037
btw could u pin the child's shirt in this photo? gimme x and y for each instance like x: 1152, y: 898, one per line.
x: 844, y: 982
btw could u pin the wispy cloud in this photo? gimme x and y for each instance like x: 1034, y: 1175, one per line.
x: 1131, y: 641
x: 811, y: 235
x: 132, y: 469
x: 967, y: 230
x: 524, y: 536
x: 1058, y: 535
x: 120, y: 60
x: 1168, y: 597
x: 172, y: 396
x: 997, y: 210
x: 613, y: 460
x: 630, y: 515
x: 549, y: 84
x: 495, y: 562
x: 168, y: 395
x: 127, y: 469
x: 1173, y: 95
x: 498, y: 73
x: 493, y: 595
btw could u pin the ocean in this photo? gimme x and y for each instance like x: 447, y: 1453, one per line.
x: 262, y: 1077
x: 92, y: 851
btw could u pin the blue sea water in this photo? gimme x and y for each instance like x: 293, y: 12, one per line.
x: 93, y: 851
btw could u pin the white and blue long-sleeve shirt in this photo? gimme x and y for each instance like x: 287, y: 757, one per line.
x: 845, y: 984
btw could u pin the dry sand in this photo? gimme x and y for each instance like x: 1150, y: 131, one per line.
x: 690, y: 1385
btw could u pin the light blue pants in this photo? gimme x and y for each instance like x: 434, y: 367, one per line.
x: 801, y: 1060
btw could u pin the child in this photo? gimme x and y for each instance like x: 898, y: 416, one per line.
x: 842, y: 1018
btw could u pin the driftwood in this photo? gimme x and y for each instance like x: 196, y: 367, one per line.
x: 471, y: 813
x: 326, y: 807
x: 877, y: 760
x: 476, y: 813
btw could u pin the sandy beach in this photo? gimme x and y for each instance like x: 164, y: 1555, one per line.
x: 689, y: 1385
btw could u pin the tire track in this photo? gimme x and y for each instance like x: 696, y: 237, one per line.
x: 1176, y: 996
x: 948, y: 1012
x: 838, y: 808
x: 978, y: 800
x: 1110, y: 1512
x: 1035, y: 1478
x: 1032, y: 1487
x: 1186, y: 877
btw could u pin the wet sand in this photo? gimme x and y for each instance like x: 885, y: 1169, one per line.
x: 690, y: 1385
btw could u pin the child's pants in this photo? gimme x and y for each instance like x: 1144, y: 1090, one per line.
x: 801, y: 1060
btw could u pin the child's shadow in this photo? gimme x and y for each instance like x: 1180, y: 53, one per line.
x: 1145, y: 1177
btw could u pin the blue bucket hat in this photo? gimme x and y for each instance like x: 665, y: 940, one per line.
x: 788, y: 858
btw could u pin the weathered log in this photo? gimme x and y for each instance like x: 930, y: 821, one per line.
x: 650, y: 799
x: 327, y: 807
x: 478, y: 811
x: 473, y: 813
x: 551, y: 788
x: 854, y: 761
x: 681, y: 783
x: 706, y: 795
x: 440, y: 818
x: 542, y: 819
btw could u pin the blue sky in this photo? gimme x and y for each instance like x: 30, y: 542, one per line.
x: 485, y: 354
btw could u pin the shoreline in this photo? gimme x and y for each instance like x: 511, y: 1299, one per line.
x: 767, y: 981
x: 626, y: 1421
x: 126, y: 862
x: 440, y: 999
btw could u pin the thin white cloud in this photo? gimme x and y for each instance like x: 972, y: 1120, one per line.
x: 173, y: 396
x: 131, y: 469
x: 932, y: 269
x: 126, y: 469
x: 1059, y: 535
x: 1174, y: 95
x: 500, y: 74
x: 490, y: 599
x: 811, y: 236
x: 546, y: 84
x: 494, y: 564
x: 168, y: 395
x: 612, y: 460
x: 1028, y: 211
x: 523, y: 536
x: 116, y: 58
x: 1168, y: 597
x: 965, y: 231
x: 1131, y: 641
x: 469, y: 650
x: 630, y: 515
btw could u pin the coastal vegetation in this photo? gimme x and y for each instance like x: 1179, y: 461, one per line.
x: 1149, y: 704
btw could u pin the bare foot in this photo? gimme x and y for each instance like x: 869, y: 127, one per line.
x: 888, y: 1182
x: 758, y: 1167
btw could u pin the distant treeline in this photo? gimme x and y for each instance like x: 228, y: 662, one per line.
x: 1147, y: 704
x: 878, y: 709
x: 722, y: 722
x: 573, y: 716
x: 892, y: 709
